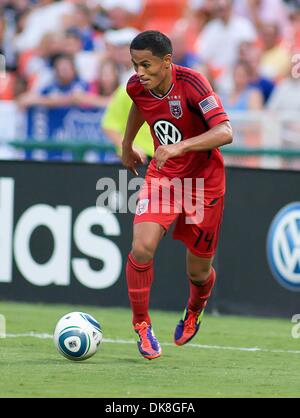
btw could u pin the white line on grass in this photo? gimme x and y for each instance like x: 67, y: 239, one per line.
x: 201, y: 346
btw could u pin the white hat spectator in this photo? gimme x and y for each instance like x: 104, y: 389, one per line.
x: 41, y: 20
x: 120, y: 37
x: 196, y: 4
x: 131, y: 6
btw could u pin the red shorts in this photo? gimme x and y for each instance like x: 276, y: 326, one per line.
x: 199, y: 233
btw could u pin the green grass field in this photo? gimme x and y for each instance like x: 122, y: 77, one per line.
x: 214, y: 365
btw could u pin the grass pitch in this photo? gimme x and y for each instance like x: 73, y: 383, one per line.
x: 230, y: 357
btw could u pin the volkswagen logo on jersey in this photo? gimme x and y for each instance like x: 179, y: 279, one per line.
x: 167, y: 133
x: 283, y: 247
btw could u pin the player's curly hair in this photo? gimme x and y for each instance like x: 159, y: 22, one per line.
x: 153, y: 40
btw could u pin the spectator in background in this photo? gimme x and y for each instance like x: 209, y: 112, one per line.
x: 117, y: 45
x: 183, y: 55
x: 107, y: 80
x: 7, y: 61
x: 286, y: 96
x: 72, y: 43
x: 6, y: 48
x: 12, y: 86
x: 219, y: 42
x: 14, y: 7
x: 114, y: 125
x: 121, y: 12
x: 86, y: 62
x: 243, y: 97
x: 198, y: 14
x: 101, y: 89
x: 251, y: 54
x: 66, y: 80
x: 285, y: 104
x: 47, y: 16
x: 263, y: 11
x: 276, y: 60
x: 36, y: 65
x: 81, y: 24
x: 15, y: 12
x: 20, y: 21
x: 62, y: 92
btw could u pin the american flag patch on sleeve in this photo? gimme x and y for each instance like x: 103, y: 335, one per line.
x: 208, y: 104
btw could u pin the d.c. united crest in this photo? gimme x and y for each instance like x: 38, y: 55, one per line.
x: 175, y: 108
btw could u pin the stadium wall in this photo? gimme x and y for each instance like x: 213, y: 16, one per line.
x: 56, y: 246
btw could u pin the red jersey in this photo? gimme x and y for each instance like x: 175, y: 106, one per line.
x: 188, y: 109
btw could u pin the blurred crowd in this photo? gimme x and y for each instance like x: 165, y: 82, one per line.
x: 74, y: 52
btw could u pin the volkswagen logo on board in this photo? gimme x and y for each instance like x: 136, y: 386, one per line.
x: 283, y: 247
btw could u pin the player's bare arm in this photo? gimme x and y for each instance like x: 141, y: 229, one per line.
x: 130, y: 157
x: 216, y: 137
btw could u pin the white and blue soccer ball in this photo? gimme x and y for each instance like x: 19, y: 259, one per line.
x: 77, y: 336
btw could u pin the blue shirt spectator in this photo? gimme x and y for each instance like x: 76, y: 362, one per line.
x: 73, y: 86
x: 189, y: 60
x: 81, y: 24
x: 265, y: 86
x: 251, y: 54
x: 242, y: 97
x: 66, y: 81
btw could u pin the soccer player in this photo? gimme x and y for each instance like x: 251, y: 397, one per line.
x: 188, y: 125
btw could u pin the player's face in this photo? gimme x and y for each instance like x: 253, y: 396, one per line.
x: 154, y: 72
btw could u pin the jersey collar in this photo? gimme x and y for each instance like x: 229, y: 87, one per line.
x: 170, y: 89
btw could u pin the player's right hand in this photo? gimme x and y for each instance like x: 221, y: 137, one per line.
x: 131, y: 159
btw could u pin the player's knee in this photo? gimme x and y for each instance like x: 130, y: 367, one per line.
x: 199, y: 276
x: 142, y: 251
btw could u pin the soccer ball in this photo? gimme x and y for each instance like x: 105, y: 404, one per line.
x: 77, y: 336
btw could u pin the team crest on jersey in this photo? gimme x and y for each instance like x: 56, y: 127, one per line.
x: 175, y: 108
x: 142, y: 206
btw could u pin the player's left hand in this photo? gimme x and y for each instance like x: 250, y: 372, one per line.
x: 165, y: 152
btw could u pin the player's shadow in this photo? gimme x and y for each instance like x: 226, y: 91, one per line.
x: 61, y: 362
x: 122, y: 360
x: 58, y: 362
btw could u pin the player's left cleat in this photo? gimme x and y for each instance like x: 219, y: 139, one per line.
x: 188, y: 326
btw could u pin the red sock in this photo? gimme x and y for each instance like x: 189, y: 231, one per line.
x: 139, y: 280
x: 200, y: 294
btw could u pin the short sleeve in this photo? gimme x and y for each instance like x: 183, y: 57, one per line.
x: 212, y: 110
x: 132, y: 87
x: 205, y: 101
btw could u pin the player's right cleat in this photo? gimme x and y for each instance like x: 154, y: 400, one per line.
x: 188, y: 326
x: 148, y: 345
